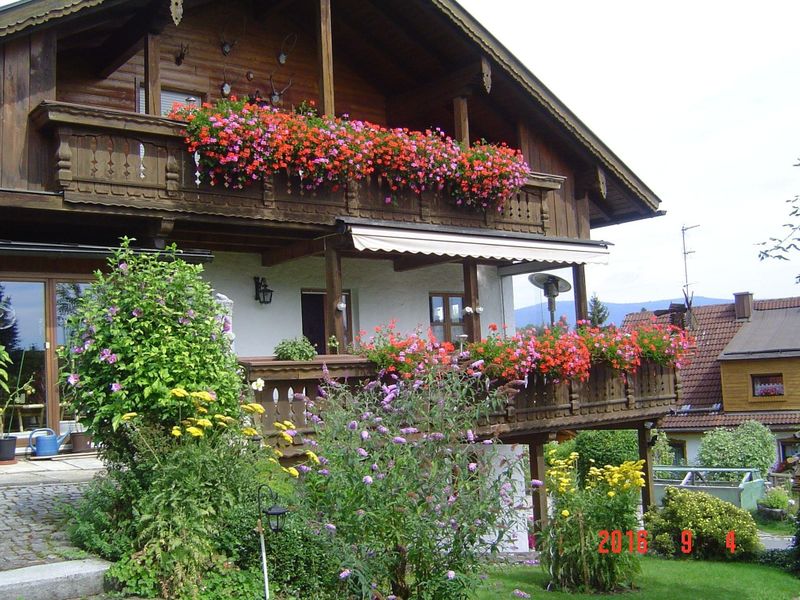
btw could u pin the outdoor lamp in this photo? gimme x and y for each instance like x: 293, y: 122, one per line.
x: 263, y: 292
x: 276, y: 518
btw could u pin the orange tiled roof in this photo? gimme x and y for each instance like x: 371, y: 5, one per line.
x: 782, y: 420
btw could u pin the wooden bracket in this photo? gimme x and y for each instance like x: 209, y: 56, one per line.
x: 293, y: 251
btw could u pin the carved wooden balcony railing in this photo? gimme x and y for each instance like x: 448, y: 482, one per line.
x: 606, y: 398
x: 117, y: 158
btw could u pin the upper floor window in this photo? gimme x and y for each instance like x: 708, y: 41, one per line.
x: 767, y: 385
x: 447, y: 316
x: 168, y: 99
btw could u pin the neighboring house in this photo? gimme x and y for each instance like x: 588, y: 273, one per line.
x: 86, y: 156
x: 746, y: 366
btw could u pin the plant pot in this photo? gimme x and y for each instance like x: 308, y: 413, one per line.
x: 81, y: 441
x: 773, y: 514
x: 8, y: 449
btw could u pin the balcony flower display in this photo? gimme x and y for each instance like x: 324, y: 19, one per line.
x: 238, y: 142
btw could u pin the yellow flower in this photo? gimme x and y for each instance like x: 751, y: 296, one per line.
x: 270, y: 459
x: 176, y: 431
x: 253, y: 407
x: 565, y: 513
x: 289, y: 425
x: 204, y: 396
x: 179, y: 392
x: 611, y: 494
x: 287, y: 438
x: 292, y: 471
x: 128, y: 416
x: 201, y: 409
x: 195, y: 431
x: 249, y: 431
x: 222, y: 424
x: 279, y: 426
x: 204, y: 423
x: 312, y: 456
x: 277, y: 452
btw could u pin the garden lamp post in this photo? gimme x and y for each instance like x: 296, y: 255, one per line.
x: 275, y: 516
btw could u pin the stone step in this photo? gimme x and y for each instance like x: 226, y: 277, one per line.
x: 56, y: 581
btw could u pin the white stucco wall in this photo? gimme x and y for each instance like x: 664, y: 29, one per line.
x: 692, y: 444
x: 379, y: 294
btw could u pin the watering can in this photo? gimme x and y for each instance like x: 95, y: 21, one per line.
x: 45, y: 445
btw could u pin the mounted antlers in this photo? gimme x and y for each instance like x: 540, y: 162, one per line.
x: 276, y: 97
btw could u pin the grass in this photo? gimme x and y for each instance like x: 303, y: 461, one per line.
x: 662, y: 580
x: 785, y: 527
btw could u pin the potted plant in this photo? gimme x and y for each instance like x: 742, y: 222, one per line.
x: 8, y: 443
x: 774, y: 505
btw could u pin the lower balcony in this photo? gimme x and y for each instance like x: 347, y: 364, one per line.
x: 606, y: 399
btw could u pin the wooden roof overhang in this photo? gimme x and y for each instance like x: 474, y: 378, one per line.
x: 414, y: 53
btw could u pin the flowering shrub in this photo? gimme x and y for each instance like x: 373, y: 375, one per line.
x: 562, y: 354
x: 664, y: 344
x: 572, y: 552
x: 239, y: 142
x: 147, y: 327
x: 399, y: 478
x: 616, y: 347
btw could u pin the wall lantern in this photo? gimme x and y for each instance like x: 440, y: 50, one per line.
x: 263, y: 292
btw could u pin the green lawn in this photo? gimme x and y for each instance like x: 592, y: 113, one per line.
x: 774, y: 527
x: 663, y: 580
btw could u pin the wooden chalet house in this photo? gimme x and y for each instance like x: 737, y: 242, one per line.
x: 87, y: 156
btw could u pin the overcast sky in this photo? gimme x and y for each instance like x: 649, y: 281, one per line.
x: 700, y: 99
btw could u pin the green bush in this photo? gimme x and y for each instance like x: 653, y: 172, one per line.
x: 559, y: 450
x: 750, y: 445
x: 295, y: 349
x: 775, y: 498
x: 146, y: 327
x: 710, y: 521
x: 605, y: 447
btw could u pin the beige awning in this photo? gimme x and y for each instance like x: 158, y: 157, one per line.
x: 500, y: 247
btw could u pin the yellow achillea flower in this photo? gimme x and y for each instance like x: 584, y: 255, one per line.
x: 253, y: 407
x: 279, y: 426
x: 201, y: 409
x: 611, y: 494
x: 195, y: 431
x: 176, y: 431
x: 272, y: 460
x: 222, y: 424
x: 287, y: 438
x: 277, y: 452
x: 179, y: 392
x: 289, y: 425
x: 128, y: 416
x: 204, y: 396
x: 314, y: 458
x: 249, y: 431
x: 565, y: 513
x: 292, y: 471
x: 204, y: 423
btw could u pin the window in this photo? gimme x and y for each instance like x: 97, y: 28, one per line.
x: 790, y: 448
x: 767, y: 385
x: 447, y: 316
x: 679, y: 452
x: 168, y: 98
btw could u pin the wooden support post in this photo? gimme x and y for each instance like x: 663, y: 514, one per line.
x: 648, y: 491
x: 152, y: 74
x: 579, y: 288
x: 538, y: 469
x: 325, y: 49
x: 461, y: 114
x: 472, y: 320
x: 334, y: 318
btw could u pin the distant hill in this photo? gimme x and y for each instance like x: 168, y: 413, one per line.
x: 536, y: 314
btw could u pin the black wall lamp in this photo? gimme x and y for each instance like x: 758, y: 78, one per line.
x: 263, y: 291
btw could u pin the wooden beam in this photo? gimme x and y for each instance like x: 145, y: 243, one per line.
x: 538, y: 470
x: 648, y: 491
x: 461, y: 116
x: 124, y: 43
x: 334, y: 318
x: 42, y: 87
x: 472, y: 321
x: 152, y: 74
x: 325, y: 50
x: 410, y: 263
x: 579, y: 289
x: 294, y: 251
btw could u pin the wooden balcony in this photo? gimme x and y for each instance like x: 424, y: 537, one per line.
x: 112, y: 158
x: 607, y: 399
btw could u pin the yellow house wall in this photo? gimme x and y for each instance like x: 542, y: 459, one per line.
x: 737, y: 387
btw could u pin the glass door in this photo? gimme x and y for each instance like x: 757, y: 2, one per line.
x: 23, y: 332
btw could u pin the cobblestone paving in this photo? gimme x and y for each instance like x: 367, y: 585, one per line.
x: 33, y: 524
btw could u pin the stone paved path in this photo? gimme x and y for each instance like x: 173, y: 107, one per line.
x: 33, y: 524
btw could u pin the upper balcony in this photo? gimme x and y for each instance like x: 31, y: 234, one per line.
x: 105, y: 157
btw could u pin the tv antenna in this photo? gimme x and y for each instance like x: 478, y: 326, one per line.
x: 687, y: 297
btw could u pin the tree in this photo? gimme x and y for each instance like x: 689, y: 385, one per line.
x: 9, y: 329
x: 779, y: 247
x: 598, y: 312
x: 750, y: 445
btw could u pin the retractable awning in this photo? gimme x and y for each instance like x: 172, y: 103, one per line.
x: 502, y: 246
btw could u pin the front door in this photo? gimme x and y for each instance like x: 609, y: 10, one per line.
x: 312, y: 304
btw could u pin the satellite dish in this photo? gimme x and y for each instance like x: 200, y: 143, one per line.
x: 552, y: 285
